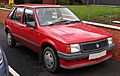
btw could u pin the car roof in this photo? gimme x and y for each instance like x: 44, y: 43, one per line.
x: 37, y: 5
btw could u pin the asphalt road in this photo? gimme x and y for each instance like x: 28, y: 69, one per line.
x: 25, y: 62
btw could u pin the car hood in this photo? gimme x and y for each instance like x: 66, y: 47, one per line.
x: 79, y: 32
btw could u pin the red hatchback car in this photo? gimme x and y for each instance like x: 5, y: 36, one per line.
x: 59, y: 36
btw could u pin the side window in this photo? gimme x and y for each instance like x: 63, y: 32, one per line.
x: 17, y: 14
x: 12, y: 12
x: 28, y: 17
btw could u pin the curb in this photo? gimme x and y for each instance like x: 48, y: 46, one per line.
x: 102, y: 25
x: 5, y: 9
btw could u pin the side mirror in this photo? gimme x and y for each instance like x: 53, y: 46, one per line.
x: 31, y: 24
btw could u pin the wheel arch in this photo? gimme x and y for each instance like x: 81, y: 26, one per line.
x: 43, y: 45
x: 48, y: 42
x: 6, y: 30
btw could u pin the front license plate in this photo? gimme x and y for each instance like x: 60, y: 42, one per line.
x: 97, y: 55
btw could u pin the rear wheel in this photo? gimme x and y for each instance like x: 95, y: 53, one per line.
x: 50, y: 59
x: 11, y: 42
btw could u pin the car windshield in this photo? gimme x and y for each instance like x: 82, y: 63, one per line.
x: 58, y: 15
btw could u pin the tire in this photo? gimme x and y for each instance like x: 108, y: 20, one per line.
x: 10, y: 41
x: 50, y: 60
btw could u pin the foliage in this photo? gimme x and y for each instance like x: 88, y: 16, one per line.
x: 8, y: 6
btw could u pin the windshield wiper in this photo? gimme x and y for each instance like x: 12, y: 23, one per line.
x: 59, y: 22
x: 53, y: 24
x: 63, y: 22
x: 73, y: 22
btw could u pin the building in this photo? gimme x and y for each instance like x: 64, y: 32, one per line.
x: 39, y: 1
x: 27, y: 1
x: 3, y: 1
x: 102, y: 2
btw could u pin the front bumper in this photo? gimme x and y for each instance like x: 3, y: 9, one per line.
x: 77, y: 60
x: 76, y: 56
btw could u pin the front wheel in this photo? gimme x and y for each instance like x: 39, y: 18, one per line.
x: 51, y: 60
x: 11, y: 42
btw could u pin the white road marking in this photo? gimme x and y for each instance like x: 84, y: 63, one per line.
x: 13, y: 72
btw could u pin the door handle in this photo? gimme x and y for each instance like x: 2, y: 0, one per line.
x: 11, y: 23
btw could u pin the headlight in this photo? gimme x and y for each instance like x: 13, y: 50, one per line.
x: 110, y: 41
x: 1, y: 57
x: 75, y: 48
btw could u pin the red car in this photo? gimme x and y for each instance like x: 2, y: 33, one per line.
x: 58, y: 35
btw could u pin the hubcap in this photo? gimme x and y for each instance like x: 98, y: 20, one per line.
x: 49, y: 60
x: 9, y: 38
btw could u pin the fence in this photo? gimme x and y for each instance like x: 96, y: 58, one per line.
x: 108, y: 10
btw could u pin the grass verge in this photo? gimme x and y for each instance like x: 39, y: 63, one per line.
x: 102, y: 14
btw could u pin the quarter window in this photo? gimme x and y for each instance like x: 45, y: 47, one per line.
x: 18, y: 14
x: 10, y: 15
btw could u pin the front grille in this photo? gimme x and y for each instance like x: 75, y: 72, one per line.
x: 95, y: 45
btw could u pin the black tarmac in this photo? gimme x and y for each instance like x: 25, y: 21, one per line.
x: 25, y: 62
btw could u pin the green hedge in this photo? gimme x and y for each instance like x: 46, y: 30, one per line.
x: 8, y: 6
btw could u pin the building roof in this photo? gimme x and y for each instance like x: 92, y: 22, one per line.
x: 37, y: 5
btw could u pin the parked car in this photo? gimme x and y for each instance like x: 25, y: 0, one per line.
x: 3, y: 64
x: 58, y: 35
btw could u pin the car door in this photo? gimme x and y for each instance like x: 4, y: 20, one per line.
x: 29, y: 30
x: 15, y: 21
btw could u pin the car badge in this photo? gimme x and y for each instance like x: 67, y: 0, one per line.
x: 97, y: 45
